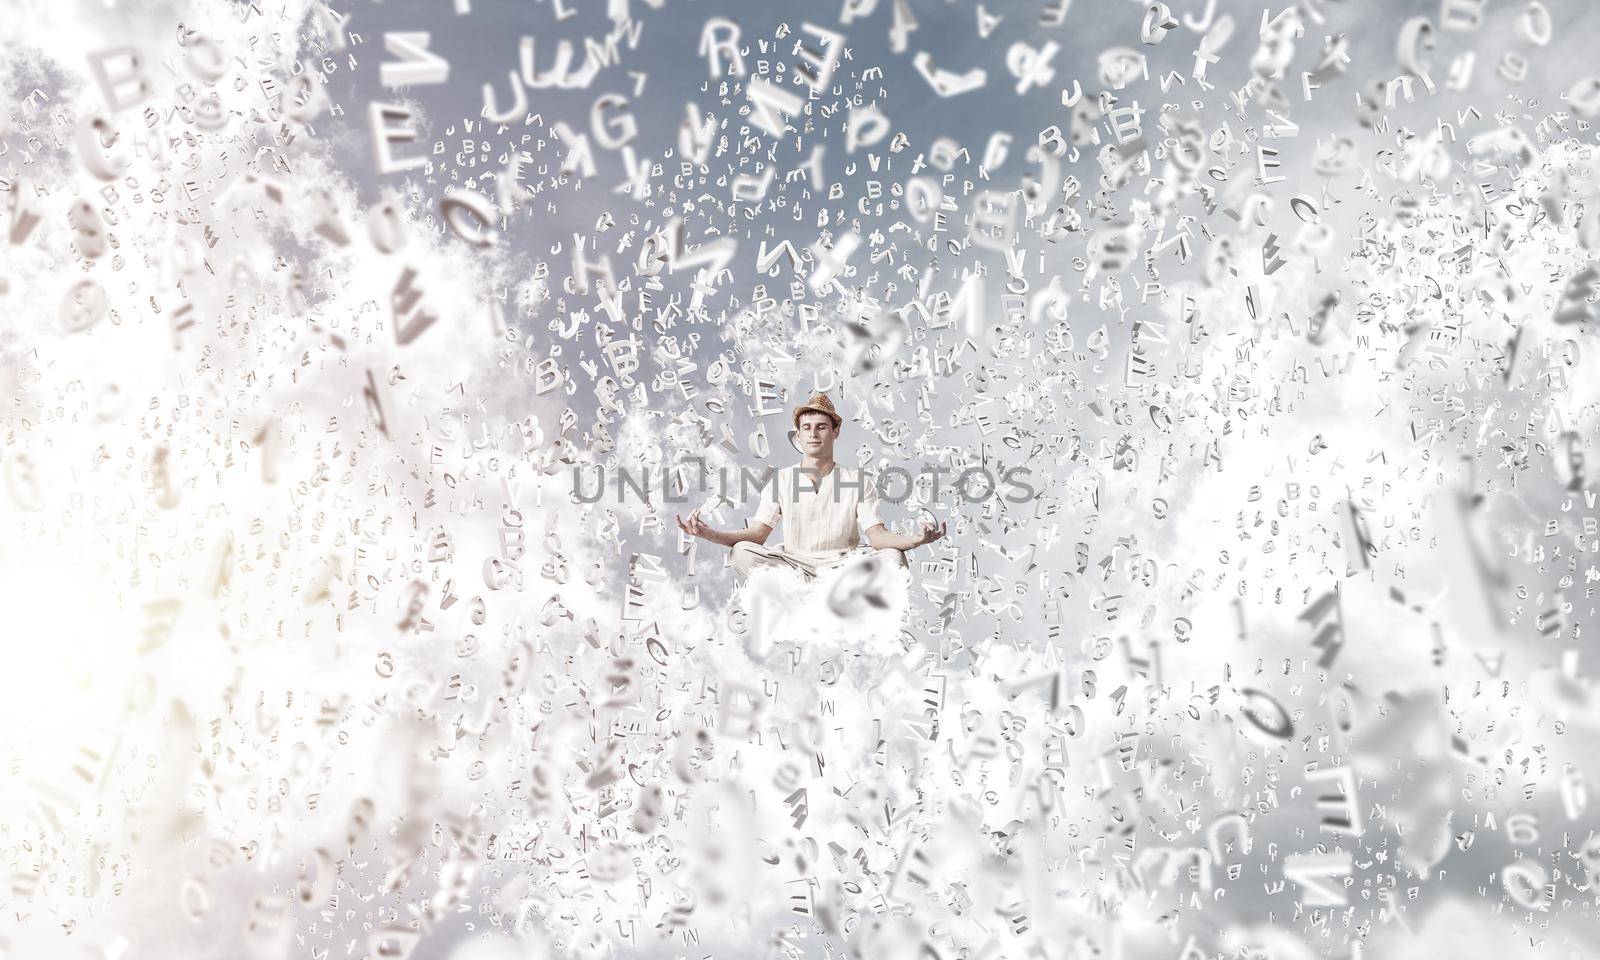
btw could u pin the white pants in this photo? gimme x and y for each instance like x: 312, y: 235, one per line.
x: 749, y: 556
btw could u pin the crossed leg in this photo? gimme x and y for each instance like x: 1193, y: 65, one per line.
x: 749, y: 557
x: 894, y: 557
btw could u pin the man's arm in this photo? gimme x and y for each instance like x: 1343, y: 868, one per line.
x: 695, y: 527
x: 882, y: 538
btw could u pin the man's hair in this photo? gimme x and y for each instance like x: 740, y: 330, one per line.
x: 818, y: 413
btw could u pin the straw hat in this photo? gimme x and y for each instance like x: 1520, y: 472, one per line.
x: 819, y: 403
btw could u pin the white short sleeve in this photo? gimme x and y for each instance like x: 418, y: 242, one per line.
x: 769, y: 511
x: 867, y: 506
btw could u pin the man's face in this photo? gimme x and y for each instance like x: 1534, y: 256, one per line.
x: 817, y: 434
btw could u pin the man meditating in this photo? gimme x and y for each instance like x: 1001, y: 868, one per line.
x: 823, y: 505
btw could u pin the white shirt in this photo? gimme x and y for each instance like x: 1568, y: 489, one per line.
x: 820, y: 519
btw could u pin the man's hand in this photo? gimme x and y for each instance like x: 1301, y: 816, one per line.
x: 931, y: 532
x: 694, y: 526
